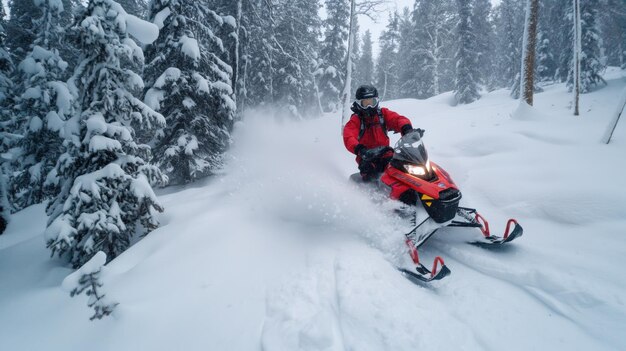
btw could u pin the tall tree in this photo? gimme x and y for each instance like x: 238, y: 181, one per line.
x: 466, y: 89
x: 297, y: 32
x: 189, y: 83
x: 485, y: 37
x: 577, y: 53
x: 613, y: 29
x: 356, y: 56
x: 357, y: 7
x: 106, y: 196
x: 529, y: 45
x: 407, y: 74
x: 546, y: 63
x: 387, y: 65
x: 333, y: 53
x: 591, y: 62
x: 365, y: 65
x: 258, y: 50
x: 509, y: 33
x: 434, y: 37
x: 6, y: 65
x: 43, y: 102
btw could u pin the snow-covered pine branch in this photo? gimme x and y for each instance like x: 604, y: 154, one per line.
x: 88, y: 279
x: 106, y: 196
x: 20, y: 27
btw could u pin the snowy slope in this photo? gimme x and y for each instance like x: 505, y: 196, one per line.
x: 282, y: 253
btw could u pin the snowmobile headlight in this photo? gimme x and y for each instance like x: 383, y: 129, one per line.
x: 428, y: 167
x: 415, y: 170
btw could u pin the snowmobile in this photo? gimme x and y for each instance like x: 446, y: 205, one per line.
x: 433, y: 203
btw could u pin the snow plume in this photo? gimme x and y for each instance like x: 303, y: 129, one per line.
x: 304, y: 184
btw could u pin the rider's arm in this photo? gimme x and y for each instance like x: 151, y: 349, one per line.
x: 396, y: 122
x: 351, y: 134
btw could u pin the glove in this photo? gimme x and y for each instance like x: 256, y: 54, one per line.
x: 359, y: 150
x: 367, y: 167
x: 407, y: 129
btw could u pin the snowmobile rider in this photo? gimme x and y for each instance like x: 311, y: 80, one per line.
x: 367, y: 129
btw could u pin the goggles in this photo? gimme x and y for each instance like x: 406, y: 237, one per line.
x: 369, y: 102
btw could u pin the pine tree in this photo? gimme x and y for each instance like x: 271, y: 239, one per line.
x: 42, y: 104
x: 387, y: 66
x: 591, y: 66
x: 558, y: 25
x: 509, y: 33
x: 297, y: 25
x: 466, y: 89
x: 434, y: 30
x: 365, y: 65
x: 546, y: 64
x: 258, y: 51
x: 232, y: 16
x: 613, y: 29
x: 6, y: 121
x: 386, y: 71
x: 189, y: 83
x: 6, y: 65
x: 484, y: 36
x: 333, y: 53
x: 20, y: 27
x: 407, y: 82
x: 106, y: 196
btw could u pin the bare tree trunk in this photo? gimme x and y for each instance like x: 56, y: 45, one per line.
x: 318, y: 96
x: 618, y: 113
x: 577, y: 52
x: 436, y: 62
x: 385, y: 86
x: 237, y: 46
x: 345, y: 111
x: 530, y: 43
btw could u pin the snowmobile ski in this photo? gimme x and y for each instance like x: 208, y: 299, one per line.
x: 422, y: 274
x: 474, y: 219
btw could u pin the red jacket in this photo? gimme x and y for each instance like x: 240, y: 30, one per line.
x: 374, y: 135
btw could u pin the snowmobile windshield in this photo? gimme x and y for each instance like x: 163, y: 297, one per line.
x: 410, y: 148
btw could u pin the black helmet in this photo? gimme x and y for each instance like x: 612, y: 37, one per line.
x: 366, y: 92
x: 366, y: 100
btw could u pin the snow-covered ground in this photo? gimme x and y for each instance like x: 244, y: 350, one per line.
x: 282, y: 252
